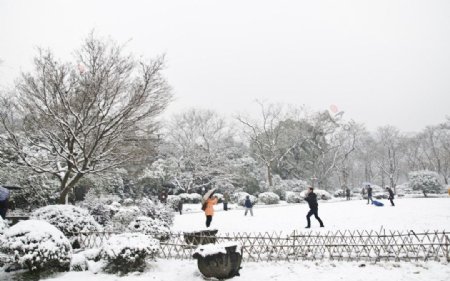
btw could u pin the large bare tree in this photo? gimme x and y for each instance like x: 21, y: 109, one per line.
x: 70, y: 119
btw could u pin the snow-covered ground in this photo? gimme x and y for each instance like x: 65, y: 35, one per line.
x: 409, y: 213
x: 172, y: 270
x: 416, y: 214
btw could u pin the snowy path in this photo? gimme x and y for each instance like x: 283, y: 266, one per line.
x: 409, y: 213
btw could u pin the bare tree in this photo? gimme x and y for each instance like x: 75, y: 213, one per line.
x: 265, y: 135
x: 391, y: 150
x: 75, y: 117
x: 348, y: 141
x: 200, y: 142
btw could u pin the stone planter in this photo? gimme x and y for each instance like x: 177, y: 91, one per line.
x: 201, y: 237
x: 220, y: 261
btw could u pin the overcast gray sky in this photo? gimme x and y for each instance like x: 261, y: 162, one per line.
x: 382, y: 62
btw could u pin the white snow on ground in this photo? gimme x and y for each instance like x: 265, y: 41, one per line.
x: 173, y: 270
x: 409, y: 213
x: 416, y: 214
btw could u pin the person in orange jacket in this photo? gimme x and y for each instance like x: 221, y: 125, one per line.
x: 209, y: 210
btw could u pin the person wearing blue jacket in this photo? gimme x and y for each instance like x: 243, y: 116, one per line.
x: 248, y: 206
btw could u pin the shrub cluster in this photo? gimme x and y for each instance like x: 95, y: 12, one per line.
x: 127, y: 252
x: 37, y: 246
x: 268, y: 198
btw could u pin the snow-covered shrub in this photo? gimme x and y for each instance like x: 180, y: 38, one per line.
x: 268, y: 198
x: 87, y: 260
x: 425, y: 181
x: 280, y: 186
x: 293, y: 197
x: 195, y: 198
x: 321, y: 194
x: 124, y: 216
x: 156, y: 211
x: 71, y: 220
x: 173, y: 201
x: 239, y: 198
x: 152, y: 227
x: 184, y: 197
x: 102, y: 208
x: 3, y: 226
x: 128, y: 202
x: 192, y: 198
x: 36, y: 245
x: 127, y: 252
x: 78, y: 262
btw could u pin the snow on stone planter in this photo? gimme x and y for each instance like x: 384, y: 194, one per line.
x: 152, y: 227
x: 71, y: 220
x: 127, y: 252
x: 220, y: 261
x: 268, y: 198
x: 37, y: 246
x: 200, y: 237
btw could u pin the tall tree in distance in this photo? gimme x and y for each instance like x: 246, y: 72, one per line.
x: 71, y: 119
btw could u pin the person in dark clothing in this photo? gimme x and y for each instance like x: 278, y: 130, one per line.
x: 311, y: 198
x: 391, y: 195
x: 180, y: 206
x: 226, y: 199
x: 248, y: 206
x: 369, y: 194
x: 347, y: 193
x: 4, y: 198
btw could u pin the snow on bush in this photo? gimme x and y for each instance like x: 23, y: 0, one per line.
x: 321, y: 194
x: 157, y: 211
x: 268, y: 198
x: 124, y: 216
x: 425, y: 181
x: 86, y: 260
x: 151, y: 227
x: 173, y: 201
x: 71, y: 220
x: 280, y: 186
x: 239, y: 198
x: 293, y: 197
x: 101, y: 208
x: 3, y: 226
x: 192, y: 198
x: 36, y: 245
x: 127, y: 252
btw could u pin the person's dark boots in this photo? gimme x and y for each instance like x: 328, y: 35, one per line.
x: 307, y: 226
x: 322, y: 225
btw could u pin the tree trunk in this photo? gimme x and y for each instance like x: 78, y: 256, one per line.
x: 269, y: 175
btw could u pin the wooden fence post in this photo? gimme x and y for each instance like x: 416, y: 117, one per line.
x: 447, y: 241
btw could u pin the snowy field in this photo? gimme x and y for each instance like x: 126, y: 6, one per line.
x: 416, y: 214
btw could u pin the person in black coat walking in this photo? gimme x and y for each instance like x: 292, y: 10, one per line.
x: 391, y: 195
x: 369, y: 194
x: 311, y: 198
